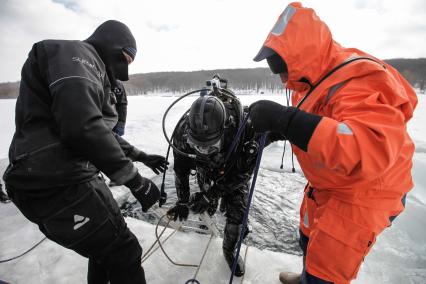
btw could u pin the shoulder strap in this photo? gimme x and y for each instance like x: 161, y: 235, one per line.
x: 332, y: 72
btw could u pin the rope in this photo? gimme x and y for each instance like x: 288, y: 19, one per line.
x: 245, y: 258
x: 156, y: 240
x: 244, y: 224
x: 194, y: 280
x: 161, y: 246
x: 149, y: 252
x: 22, y: 254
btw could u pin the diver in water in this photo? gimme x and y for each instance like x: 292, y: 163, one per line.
x: 208, y: 132
x: 120, y: 106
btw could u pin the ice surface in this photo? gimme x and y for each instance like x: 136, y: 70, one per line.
x: 399, y: 255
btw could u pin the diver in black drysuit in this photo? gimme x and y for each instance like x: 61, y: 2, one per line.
x: 120, y: 106
x: 64, y: 139
x: 208, y: 131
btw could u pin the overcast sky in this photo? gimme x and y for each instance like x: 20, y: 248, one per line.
x: 185, y: 35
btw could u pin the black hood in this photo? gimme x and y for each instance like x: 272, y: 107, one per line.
x: 109, y: 40
x: 207, y: 117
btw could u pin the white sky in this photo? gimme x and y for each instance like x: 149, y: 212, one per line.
x: 185, y: 35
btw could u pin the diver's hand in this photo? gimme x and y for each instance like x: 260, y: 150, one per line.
x: 199, y: 202
x: 180, y: 210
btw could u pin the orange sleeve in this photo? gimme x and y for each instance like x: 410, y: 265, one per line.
x: 362, y: 137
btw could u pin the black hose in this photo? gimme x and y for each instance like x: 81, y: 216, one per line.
x: 192, y: 156
x: 163, y: 193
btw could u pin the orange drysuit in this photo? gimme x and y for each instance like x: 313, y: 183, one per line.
x: 359, y: 158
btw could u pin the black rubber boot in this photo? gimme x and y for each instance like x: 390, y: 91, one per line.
x: 290, y: 278
x: 230, y: 239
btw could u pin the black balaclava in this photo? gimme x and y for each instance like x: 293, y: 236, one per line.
x: 277, y: 64
x: 110, y: 39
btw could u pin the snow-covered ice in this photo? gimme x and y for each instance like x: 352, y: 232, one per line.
x: 399, y: 255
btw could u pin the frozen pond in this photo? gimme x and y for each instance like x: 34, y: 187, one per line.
x: 400, y: 253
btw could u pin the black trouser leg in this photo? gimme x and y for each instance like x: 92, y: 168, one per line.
x: 123, y: 261
x: 85, y: 218
x: 235, y: 207
x: 230, y: 240
x: 96, y: 274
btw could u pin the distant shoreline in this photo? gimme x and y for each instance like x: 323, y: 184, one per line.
x: 243, y: 80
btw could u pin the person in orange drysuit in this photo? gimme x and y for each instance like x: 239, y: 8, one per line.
x: 348, y: 129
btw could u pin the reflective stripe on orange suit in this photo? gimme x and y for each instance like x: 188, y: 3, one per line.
x: 359, y: 158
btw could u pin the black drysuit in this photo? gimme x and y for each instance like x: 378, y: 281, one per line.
x: 230, y: 182
x: 121, y: 107
x: 63, y: 138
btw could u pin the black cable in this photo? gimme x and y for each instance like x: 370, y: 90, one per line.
x: 163, y: 194
x: 192, y: 156
x: 282, y: 157
x: 202, y: 159
x: 22, y: 254
x: 287, y: 96
x: 249, y: 201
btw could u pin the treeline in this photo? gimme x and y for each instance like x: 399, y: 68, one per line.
x: 245, y: 81
x: 9, y: 90
x: 414, y: 70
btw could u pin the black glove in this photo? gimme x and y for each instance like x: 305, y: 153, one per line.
x: 180, y: 210
x: 199, y: 202
x: 157, y: 163
x: 214, y: 203
x: 271, y: 116
x: 144, y: 190
x: 296, y: 125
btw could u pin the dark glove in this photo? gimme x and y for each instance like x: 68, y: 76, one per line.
x: 271, y: 116
x: 296, y: 125
x: 157, y: 163
x: 144, y: 190
x: 199, y: 202
x: 119, y: 130
x: 180, y: 210
x: 214, y: 203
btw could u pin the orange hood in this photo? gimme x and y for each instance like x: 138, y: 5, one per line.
x: 305, y: 43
